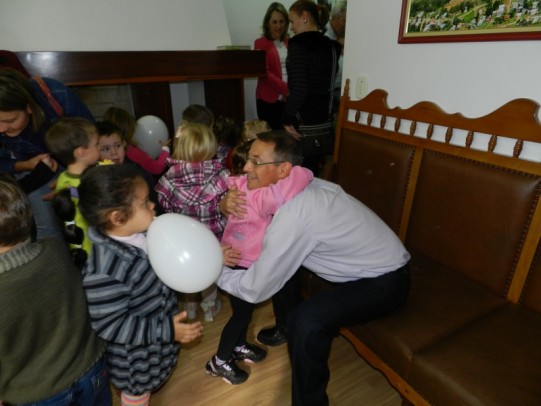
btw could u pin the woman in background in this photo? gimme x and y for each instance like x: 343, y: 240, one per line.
x: 28, y: 107
x: 271, y: 91
x: 309, y: 70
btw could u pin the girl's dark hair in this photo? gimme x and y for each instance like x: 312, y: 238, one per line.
x: 239, y: 156
x: 199, y: 114
x: 279, y: 7
x: 16, y: 94
x: 124, y: 120
x: 64, y: 208
x: 319, y: 12
x: 16, y: 220
x: 107, y: 188
x: 107, y: 128
x: 223, y: 128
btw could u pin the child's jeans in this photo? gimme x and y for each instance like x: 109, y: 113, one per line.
x: 92, y: 389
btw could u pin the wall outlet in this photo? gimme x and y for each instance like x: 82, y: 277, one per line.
x: 361, y: 87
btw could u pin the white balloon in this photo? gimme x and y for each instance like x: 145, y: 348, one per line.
x: 150, y: 130
x: 183, y: 252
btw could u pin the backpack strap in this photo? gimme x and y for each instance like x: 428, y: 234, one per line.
x: 47, y: 92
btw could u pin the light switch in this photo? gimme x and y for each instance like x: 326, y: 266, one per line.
x: 361, y: 88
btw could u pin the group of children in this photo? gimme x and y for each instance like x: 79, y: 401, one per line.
x: 107, y: 198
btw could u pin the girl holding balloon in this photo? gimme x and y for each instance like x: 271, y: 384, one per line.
x: 129, y: 306
x: 127, y: 123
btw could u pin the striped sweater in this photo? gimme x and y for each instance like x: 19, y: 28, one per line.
x: 131, y: 309
x: 309, y: 68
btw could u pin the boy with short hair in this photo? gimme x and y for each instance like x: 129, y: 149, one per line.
x: 74, y: 142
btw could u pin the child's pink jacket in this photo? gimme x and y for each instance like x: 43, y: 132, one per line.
x: 246, y: 234
x: 140, y: 157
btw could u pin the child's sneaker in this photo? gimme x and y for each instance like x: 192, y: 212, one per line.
x: 211, y: 308
x: 191, y: 308
x: 228, y: 371
x: 249, y: 353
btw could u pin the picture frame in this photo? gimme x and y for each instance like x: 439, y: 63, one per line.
x: 469, y: 20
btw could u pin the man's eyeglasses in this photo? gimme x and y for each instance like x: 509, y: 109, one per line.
x: 257, y: 162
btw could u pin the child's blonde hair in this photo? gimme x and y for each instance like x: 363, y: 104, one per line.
x: 251, y: 128
x: 194, y: 143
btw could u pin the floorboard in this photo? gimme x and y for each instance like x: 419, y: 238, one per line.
x: 353, y: 382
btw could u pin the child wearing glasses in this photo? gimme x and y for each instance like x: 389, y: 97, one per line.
x: 246, y: 236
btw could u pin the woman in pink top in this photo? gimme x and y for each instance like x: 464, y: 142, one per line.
x: 271, y: 90
x: 246, y: 235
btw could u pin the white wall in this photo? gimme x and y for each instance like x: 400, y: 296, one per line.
x: 112, y: 25
x: 473, y: 78
x: 245, y: 19
x: 117, y: 25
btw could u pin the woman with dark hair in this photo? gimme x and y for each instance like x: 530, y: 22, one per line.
x: 271, y: 91
x: 309, y: 71
x: 28, y: 107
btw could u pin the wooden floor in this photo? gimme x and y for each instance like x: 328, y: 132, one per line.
x: 353, y: 382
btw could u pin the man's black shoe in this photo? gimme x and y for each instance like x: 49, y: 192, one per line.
x: 272, y: 336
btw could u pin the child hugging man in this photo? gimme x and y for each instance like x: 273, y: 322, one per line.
x: 74, y: 142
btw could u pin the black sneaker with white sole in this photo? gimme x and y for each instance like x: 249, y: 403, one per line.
x: 249, y: 353
x: 228, y: 371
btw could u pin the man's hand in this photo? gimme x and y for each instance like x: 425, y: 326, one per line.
x: 231, y: 256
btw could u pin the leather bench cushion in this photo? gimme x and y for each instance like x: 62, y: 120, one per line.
x: 472, y: 217
x: 375, y: 171
x: 494, y: 361
x: 440, y: 302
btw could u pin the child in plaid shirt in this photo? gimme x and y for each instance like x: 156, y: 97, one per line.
x: 193, y: 185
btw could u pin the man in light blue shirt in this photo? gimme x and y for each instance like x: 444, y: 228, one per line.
x: 335, y: 236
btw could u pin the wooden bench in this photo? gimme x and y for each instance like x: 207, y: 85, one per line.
x: 469, y: 213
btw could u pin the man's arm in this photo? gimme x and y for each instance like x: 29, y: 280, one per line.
x: 285, y: 247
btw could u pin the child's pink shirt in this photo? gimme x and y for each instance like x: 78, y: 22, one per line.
x: 246, y: 234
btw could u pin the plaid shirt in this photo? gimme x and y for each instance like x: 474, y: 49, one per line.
x: 195, y: 189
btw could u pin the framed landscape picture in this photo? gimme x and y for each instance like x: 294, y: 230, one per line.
x: 469, y: 20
